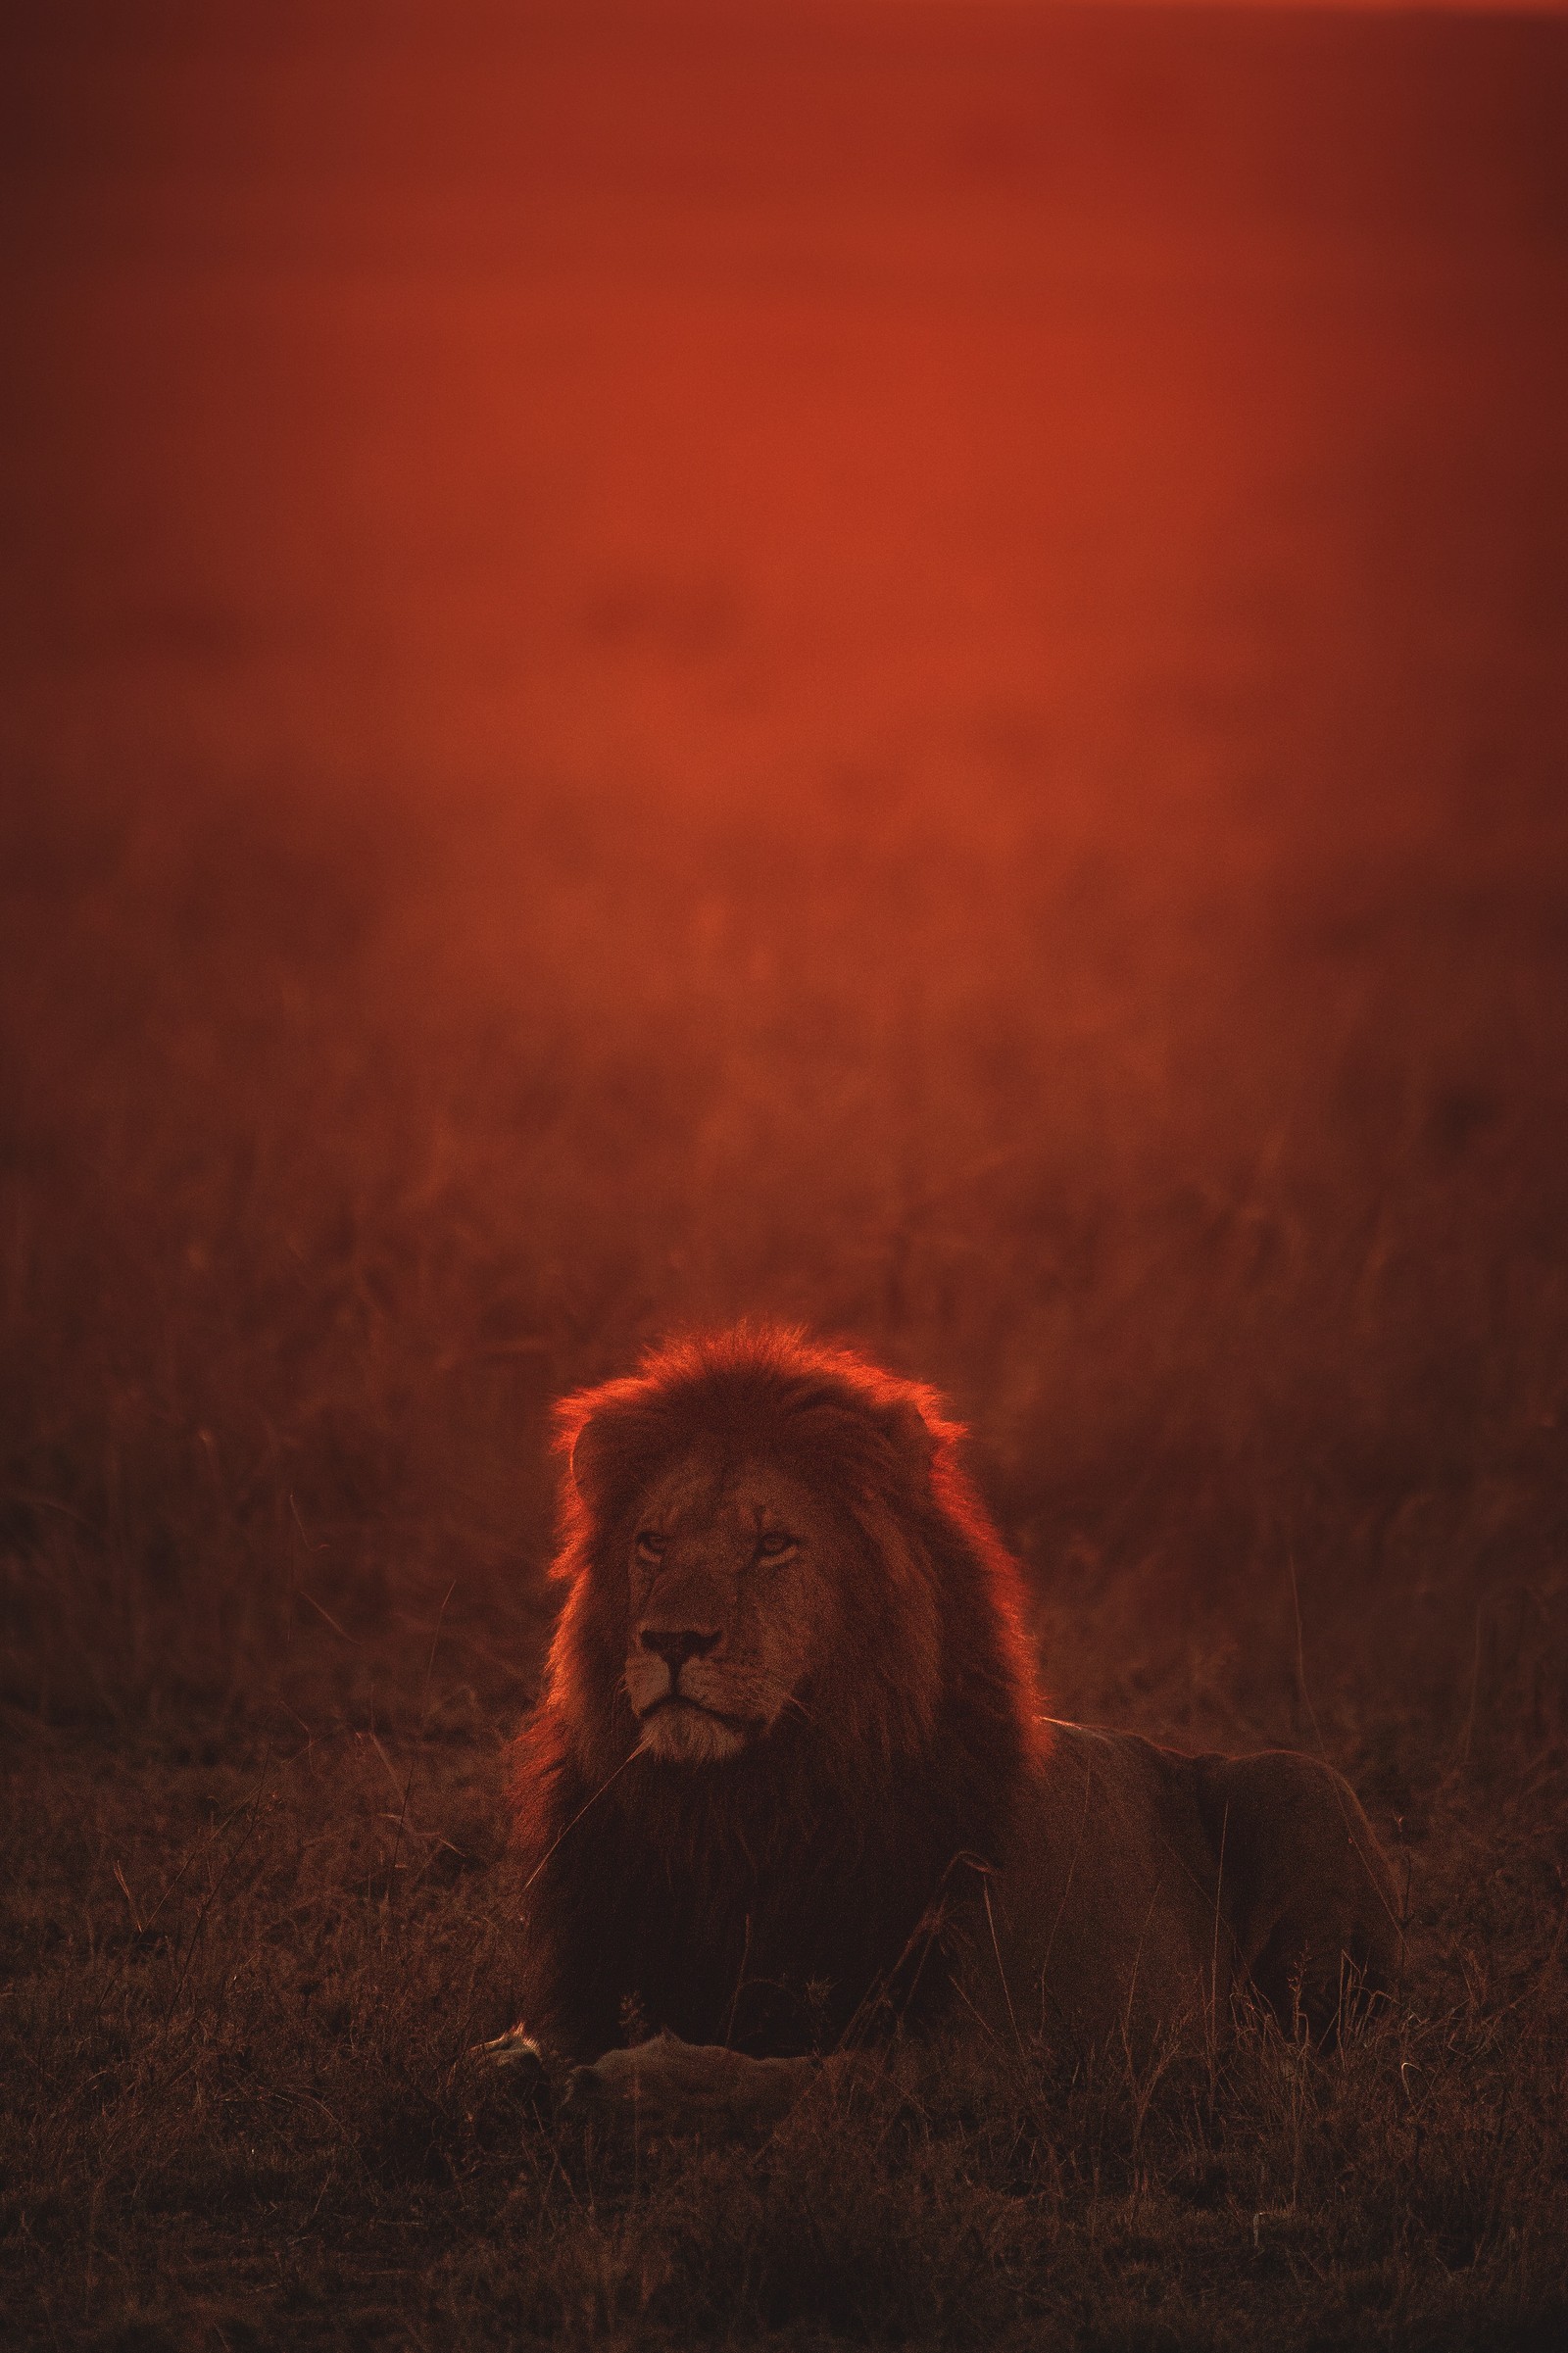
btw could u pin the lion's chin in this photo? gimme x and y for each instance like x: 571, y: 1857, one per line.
x: 682, y: 1734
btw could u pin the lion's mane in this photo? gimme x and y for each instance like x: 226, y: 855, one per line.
x: 768, y: 1902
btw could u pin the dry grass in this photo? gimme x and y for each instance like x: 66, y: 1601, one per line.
x: 240, y: 2111
x: 976, y: 760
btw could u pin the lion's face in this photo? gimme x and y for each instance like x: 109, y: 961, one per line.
x: 732, y: 1603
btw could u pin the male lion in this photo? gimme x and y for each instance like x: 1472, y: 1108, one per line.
x: 790, y: 1780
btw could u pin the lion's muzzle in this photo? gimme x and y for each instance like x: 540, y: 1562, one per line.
x: 675, y: 1646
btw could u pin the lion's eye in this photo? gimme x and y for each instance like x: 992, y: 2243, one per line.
x: 774, y: 1544
x: 650, y: 1545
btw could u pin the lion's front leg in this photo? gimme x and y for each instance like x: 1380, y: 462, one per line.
x: 676, y: 2087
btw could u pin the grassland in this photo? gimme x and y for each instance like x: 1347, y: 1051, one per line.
x: 956, y: 732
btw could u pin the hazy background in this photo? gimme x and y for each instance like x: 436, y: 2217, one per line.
x: 901, y: 666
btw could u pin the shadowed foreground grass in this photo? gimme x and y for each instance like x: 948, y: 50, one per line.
x: 241, y: 2111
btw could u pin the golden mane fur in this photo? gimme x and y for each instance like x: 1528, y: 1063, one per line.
x: 789, y: 1777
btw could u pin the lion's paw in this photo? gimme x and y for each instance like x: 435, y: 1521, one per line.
x: 517, y: 2053
x: 677, y: 2087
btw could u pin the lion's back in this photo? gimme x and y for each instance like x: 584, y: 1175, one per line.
x: 1144, y: 1887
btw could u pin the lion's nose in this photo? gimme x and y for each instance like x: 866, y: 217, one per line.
x: 676, y: 1646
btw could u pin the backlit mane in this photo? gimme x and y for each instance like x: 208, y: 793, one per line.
x: 817, y: 1854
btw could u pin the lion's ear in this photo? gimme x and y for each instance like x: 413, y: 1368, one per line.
x: 911, y: 1438
x: 605, y: 1437
x: 592, y: 1457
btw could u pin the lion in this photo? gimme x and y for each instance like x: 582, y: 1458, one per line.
x: 791, y: 1782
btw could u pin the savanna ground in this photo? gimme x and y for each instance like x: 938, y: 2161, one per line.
x: 900, y: 666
